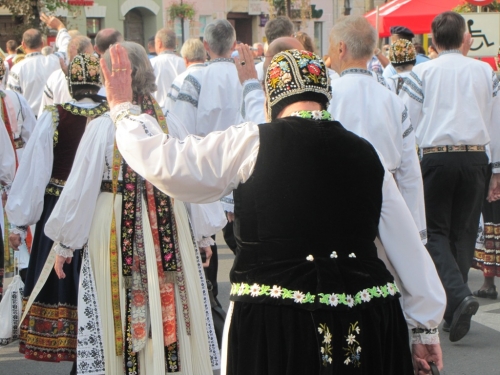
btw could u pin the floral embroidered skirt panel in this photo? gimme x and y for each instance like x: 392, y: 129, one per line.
x: 96, y: 335
x: 282, y: 340
x: 487, y: 250
x: 49, y: 330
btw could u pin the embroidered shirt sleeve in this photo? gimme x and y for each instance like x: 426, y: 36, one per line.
x: 413, y: 87
x: 190, y: 91
x: 495, y: 83
x: 64, y: 251
x: 124, y: 109
x: 425, y: 336
x: 248, y: 86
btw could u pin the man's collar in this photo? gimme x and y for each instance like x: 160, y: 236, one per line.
x: 356, y: 71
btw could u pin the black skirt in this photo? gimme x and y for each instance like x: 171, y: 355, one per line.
x: 283, y: 340
x: 49, y: 331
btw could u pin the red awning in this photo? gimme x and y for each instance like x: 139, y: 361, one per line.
x: 417, y: 15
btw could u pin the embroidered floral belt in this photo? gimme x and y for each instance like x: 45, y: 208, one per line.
x: 55, y: 187
x: 261, y: 291
x: 18, y: 143
x: 107, y: 187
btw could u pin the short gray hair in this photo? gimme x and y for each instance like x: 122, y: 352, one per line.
x: 277, y: 28
x: 220, y: 36
x: 78, y: 44
x: 167, y: 38
x: 358, y: 34
x: 193, y: 51
x: 143, y: 76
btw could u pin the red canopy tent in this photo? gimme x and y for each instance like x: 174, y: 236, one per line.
x: 417, y: 15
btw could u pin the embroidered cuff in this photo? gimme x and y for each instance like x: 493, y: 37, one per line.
x: 495, y: 167
x: 425, y: 336
x: 121, y: 110
x: 206, y: 242
x: 21, y: 230
x: 228, y: 203
x: 63, y: 250
x: 5, y: 189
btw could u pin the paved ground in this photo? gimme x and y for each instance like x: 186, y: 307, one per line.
x: 476, y: 354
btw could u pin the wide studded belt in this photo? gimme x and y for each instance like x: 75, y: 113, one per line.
x: 459, y: 148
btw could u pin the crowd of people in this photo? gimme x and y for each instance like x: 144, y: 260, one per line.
x: 349, y: 188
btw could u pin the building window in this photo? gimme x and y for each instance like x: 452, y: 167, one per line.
x: 204, y: 21
x: 93, y: 26
x: 318, y: 37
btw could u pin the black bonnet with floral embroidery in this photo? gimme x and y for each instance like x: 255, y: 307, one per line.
x: 2, y: 68
x: 402, y: 52
x: 294, y: 76
x: 84, y: 70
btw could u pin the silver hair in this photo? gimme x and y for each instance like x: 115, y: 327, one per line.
x: 79, y: 44
x: 192, y: 50
x: 358, y: 34
x: 167, y: 38
x: 47, y: 50
x: 220, y: 36
x: 143, y: 77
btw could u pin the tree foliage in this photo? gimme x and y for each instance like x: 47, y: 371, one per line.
x: 30, y: 10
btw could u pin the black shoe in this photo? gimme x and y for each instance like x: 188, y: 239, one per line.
x: 491, y: 292
x: 446, y: 326
x: 460, y: 324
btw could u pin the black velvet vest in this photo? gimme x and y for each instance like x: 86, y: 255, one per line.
x: 71, y: 128
x: 306, y: 219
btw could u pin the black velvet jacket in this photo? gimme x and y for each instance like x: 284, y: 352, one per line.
x: 306, y: 219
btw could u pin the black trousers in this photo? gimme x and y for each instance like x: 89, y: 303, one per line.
x: 454, y: 185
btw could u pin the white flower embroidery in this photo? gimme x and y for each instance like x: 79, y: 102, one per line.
x: 333, y: 255
x: 317, y: 115
x: 298, y: 296
x: 358, y: 350
x: 310, y: 258
x: 350, y: 339
x: 254, y: 290
x: 322, y: 350
x: 333, y: 300
x: 350, y: 301
x: 357, y: 331
x: 330, y: 360
x: 365, y: 296
x: 352, y: 255
x: 327, y: 338
x: 241, y: 289
x: 276, y: 291
x: 320, y: 330
x: 347, y: 361
x: 391, y: 289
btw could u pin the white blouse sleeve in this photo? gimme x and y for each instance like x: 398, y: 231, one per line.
x: 424, y: 299
x: 70, y: 221
x: 25, y: 203
x: 25, y: 118
x: 7, y: 157
x: 195, y: 170
x: 252, y: 108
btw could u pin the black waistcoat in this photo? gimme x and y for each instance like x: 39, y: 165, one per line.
x: 306, y: 219
x: 70, y: 128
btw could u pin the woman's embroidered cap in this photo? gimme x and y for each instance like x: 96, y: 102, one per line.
x: 84, y: 70
x: 402, y: 52
x: 294, y: 76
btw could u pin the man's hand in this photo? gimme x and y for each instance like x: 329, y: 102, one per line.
x: 52, y: 22
x: 244, y: 63
x: 426, y: 353
x: 229, y: 216
x: 15, y: 240
x: 208, y: 252
x: 58, y: 266
x: 118, y: 81
x: 494, y: 189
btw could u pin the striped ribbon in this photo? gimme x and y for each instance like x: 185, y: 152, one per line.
x: 167, y: 289
x: 114, y: 264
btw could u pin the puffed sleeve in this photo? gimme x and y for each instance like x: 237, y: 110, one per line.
x: 25, y: 203
x: 195, y: 170
x: 424, y: 298
x: 70, y: 221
